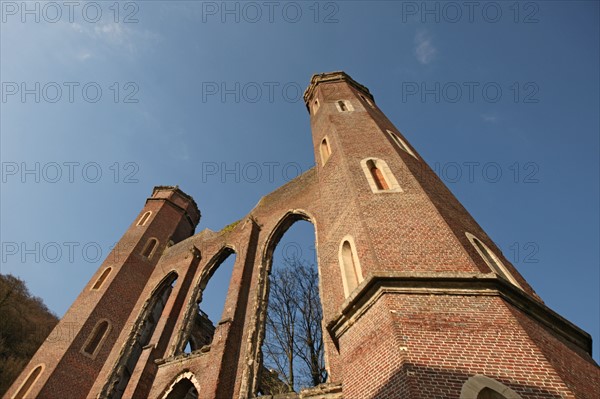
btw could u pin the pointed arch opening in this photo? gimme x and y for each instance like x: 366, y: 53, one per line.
x: 315, y: 106
x: 491, y: 259
x: 150, y: 248
x: 185, y: 386
x: 96, y: 338
x: 28, y: 383
x: 344, y: 106
x: 482, y: 387
x: 102, y: 278
x: 349, y: 265
x: 365, y: 99
x: 379, y: 176
x: 140, y: 336
x: 325, y: 150
x: 144, y: 218
x: 208, y: 306
x: 401, y: 144
x: 292, y: 353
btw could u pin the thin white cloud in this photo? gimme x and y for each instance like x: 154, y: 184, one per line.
x: 112, y: 32
x: 489, y: 118
x: 84, y: 55
x: 425, y: 51
x: 112, y: 37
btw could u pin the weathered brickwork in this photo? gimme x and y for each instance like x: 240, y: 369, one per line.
x: 430, y: 318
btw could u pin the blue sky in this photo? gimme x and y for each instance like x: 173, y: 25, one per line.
x: 501, y: 99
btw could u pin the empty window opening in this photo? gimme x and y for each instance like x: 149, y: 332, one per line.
x: 316, y: 106
x: 344, y: 106
x: 488, y: 393
x: 96, y: 338
x: 183, y: 389
x: 365, y: 99
x: 400, y: 143
x: 491, y: 259
x: 350, y: 267
x: 482, y: 387
x: 379, y: 176
x: 144, y: 218
x: 293, y: 348
x: 201, y: 333
x: 488, y: 258
x: 214, y: 292
x: 102, y: 278
x: 149, y: 249
x: 143, y: 330
x: 29, y: 381
x: 325, y: 150
x: 207, y: 312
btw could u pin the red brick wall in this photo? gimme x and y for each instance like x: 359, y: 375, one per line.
x: 409, y: 344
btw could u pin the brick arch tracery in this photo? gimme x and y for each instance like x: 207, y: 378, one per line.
x: 181, y: 384
x: 478, y: 383
x: 196, y: 297
x: 266, y: 262
x: 139, y: 336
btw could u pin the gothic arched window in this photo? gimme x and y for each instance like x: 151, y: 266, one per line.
x: 94, y: 341
x: 344, y: 106
x: 150, y: 248
x: 349, y: 266
x: 28, y: 383
x: 400, y: 143
x: 101, y: 279
x: 379, y: 176
x: 144, y: 218
x: 325, y: 150
x: 482, y: 387
x: 491, y: 259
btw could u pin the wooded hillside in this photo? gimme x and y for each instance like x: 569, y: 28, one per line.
x: 25, y: 322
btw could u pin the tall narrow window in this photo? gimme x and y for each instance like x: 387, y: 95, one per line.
x: 491, y: 259
x: 365, y: 99
x: 400, y: 143
x: 379, y: 176
x: 102, y: 278
x: 325, y: 150
x: 350, y: 267
x: 149, y: 249
x: 31, y: 378
x: 293, y: 334
x: 144, y: 218
x: 315, y: 106
x: 344, y: 106
x: 92, y: 346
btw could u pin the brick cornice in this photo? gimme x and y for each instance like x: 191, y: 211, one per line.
x: 332, y: 77
x: 375, y: 285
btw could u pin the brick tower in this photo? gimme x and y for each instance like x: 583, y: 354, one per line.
x: 418, y: 302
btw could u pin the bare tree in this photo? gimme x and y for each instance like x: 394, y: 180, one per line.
x: 309, y: 345
x: 293, y: 347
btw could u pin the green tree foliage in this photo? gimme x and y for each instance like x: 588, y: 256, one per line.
x: 25, y: 322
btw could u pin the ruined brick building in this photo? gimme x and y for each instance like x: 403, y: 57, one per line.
x: 418, y: 301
